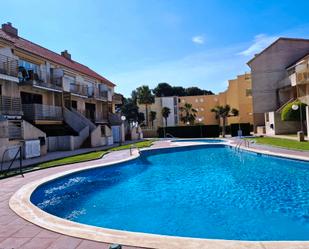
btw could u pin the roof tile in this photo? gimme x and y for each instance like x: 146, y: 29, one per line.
x: 52, y: 56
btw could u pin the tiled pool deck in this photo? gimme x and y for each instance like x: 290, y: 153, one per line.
x: 15, y: 232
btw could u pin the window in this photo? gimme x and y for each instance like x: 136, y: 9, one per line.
x: 248, y: 92
x: 196, y: 100
x: 201, y: 100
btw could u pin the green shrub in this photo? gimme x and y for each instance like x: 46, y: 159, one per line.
x: 288, y: 114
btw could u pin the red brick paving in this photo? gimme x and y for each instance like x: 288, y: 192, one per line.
x: 16, y: 232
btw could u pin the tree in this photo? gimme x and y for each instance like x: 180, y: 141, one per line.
x: 130, y: 110
x: 188, y: 114
x: 153, y: 116
x: 145, y: 97
x: 179, y: 91
x: 134, y: 96
x: 163, y: 90
x: 194, y: 91
x: 140, y: 117
x: 223, y: 112
x: 165, y: 113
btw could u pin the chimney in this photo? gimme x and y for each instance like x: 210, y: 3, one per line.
x: 9, y: 29
x: 66, y: 54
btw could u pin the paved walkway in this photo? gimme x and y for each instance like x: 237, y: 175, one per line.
x: 61, y: 154
x: 276, y: 149
x: 18, y: 233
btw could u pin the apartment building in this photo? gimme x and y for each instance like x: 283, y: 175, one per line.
x: 157, y: 106
x: 239, y: 96
x: 203, y: 105
x: 49, y: 101
x: 271, y: 84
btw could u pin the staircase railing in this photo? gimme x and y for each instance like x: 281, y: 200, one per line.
x: 18, y: 152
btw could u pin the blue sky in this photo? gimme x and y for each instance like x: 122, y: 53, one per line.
x: 183, y: 42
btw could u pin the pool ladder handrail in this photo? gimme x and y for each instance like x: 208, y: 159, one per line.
x: 169, y: 135
x: 134, y: 146
x: 238, y: 145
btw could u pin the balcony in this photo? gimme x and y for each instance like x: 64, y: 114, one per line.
x: 10, y: 106
x: 54, y: 84
x: 35, y: 112
x: 102, y: 95
x: 79, y: 89
x: 117, y: 99
x: 8, y: 66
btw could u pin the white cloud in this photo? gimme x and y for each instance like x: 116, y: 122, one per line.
x: 260, y: 42
x: 199, y: 39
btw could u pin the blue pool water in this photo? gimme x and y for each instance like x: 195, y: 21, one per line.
x: 202, y: 191
x: 205, y: 140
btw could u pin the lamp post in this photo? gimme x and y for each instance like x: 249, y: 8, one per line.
x: 300, y: 134
x: 123, y: 118
x: 200, y: 123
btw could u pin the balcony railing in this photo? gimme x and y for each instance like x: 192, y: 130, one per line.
x: 302, y: 77
x: 117, y: 99
x: 8, y: 66
x: 79, y: 89
x: 101, y: 94
x: 10, y: 106
x: 55, y: 84
x: 42, y: 112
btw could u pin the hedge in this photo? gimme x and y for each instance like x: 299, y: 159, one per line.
x: 191, y: 131
x: 288, y: 114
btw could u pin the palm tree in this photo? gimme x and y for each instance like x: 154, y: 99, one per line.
x: 165, y: 113
x: 223, y: 112
x: 188, y: 114
x: 153, y: 116
x: 145, y: 97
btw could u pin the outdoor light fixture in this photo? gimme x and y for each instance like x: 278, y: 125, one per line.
x: 295, y: 107
x: 123, y: 118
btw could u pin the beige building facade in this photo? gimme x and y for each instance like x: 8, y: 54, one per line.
x: 50, y: 100
x: 238, y: 95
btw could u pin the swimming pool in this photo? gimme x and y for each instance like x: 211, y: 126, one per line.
x: 202, y: 140
x: 202, y: 191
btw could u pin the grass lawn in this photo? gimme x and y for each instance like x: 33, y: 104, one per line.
x: 82, y: 157
x: 282, y: 142
x: 92, y: 155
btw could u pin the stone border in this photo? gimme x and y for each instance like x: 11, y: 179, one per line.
x: 20, y: 203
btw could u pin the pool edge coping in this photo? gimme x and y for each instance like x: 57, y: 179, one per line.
x: 20, y: 203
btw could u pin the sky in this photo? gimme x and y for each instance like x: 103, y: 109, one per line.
x: 201, y: 43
